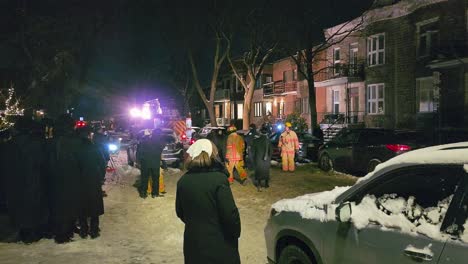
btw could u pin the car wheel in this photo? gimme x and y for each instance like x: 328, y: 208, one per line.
x: 294, y: 255
x: 325, y: 163
x: 372, y: 164
x: 129, y: 161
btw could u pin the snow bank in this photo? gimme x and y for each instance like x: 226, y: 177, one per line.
x: 464, y: 235
x: 426, y: 250
x: 311, y: 206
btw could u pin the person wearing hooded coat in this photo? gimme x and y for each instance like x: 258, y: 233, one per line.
x: 204, y: 202
x: 148, y: 154
x: 249, y: 137
x: 65, y: 178
x: 25, y: 181
x: 91, y: 200
x: 261, y: 156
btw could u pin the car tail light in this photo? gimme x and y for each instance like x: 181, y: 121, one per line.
x: 183, y: 136
x: 192, y: 141
x: 398, y: 147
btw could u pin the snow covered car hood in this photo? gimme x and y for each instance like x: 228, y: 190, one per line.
x: 311, y: 206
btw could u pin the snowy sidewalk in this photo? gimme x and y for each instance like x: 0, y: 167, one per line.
x: 134, y: 230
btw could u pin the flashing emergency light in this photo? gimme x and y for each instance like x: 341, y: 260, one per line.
x: 135, y: 112
x: 112, y: 147
x: 279, y: 126
x: 146, y: 112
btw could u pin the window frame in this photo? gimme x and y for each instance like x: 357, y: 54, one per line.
x: 240, y: 110
x: 375, y: 100
x: 371, y: 51
x: 428, y: 35
x: 335, y: 102
x: 336, y: 61
x: 258, y: 107
x: 418, y: 94
x: 268, y: 108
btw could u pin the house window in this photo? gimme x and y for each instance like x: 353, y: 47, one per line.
x: 353, y: 58
x: 336, y: 61
x: 287, y: 76
x: 239, y: 85
x: 428, y: 37
x: 268, y: 108
x: 240, y: 111
x: 258, y: 109
x: 375, y: 99
x: 376, y: 49
x: 336, y: 101
x: 425, y: 95
x: 233, y: 113
x: 268, y: 79
x: 305, y: 105
x: 281, y: 109
x: 294, y: 75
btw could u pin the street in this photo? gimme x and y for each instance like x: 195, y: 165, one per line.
x: 134, y: 230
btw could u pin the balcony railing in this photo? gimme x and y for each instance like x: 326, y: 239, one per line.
x: 279, y: 88
x: 342, y: 118
x: 341, y: 70
x: 222, y: 95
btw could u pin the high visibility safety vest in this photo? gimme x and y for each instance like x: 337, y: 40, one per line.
x: 235, y: 147
x: 288, y: 142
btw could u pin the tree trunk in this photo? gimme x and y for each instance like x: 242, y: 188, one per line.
x: 248, y: 104
x: 311, y: 86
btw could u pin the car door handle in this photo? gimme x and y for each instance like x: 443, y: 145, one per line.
x: 418, y: 256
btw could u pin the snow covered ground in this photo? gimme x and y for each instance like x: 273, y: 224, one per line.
x: 148, y: 231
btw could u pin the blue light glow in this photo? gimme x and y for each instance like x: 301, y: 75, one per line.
x: 112, y: 147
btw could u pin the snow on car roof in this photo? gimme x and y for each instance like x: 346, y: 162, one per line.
x: 455, y: 153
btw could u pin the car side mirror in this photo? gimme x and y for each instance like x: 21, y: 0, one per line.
x: 343, y: 212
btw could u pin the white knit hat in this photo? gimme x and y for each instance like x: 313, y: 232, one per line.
x: 199, y: 146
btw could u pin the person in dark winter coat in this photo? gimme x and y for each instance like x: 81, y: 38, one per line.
x: 25, y: 181
x: 65, y: 177
x: 261, y: 156
x: 204, y: 202
x: 91, y: 201
x: 101, y: 141
x: 149, y: 156
x: 249, y: 138
x: 218, y: 137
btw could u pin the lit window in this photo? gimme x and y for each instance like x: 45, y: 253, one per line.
x: 268, y: 108
x: 375, y: 99
x: 258, y: 109
x: 376, y: 50
x: 425, y: 94
x: 240, y: 111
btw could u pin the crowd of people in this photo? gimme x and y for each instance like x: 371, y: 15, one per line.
x: 52, y: 181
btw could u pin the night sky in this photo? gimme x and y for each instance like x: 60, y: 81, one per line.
x: 131, y: 51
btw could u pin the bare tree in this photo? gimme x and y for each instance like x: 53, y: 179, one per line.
x: 220, y: 54
x: 248, y: 67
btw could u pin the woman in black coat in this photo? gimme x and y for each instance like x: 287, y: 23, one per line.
x: 261, y: 156
x: 205, y: 204
x: 91, y: 204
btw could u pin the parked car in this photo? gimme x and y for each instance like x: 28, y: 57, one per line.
x: 412, y: 208
x: 172, y: 155
x: 360, y: 150
x: 308, y: 146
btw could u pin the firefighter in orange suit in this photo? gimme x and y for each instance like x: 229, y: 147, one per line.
x: 235, y: 155
x: 289, y: 144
